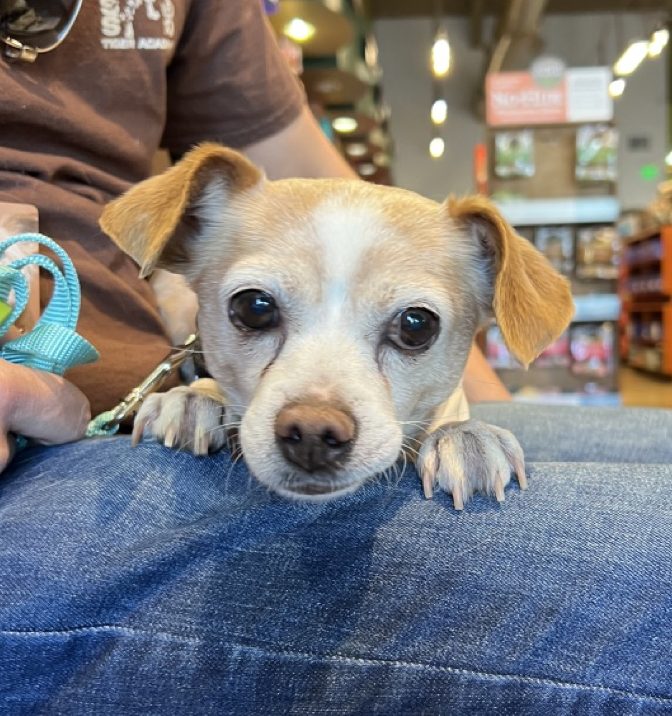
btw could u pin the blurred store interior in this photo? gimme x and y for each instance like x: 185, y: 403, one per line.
x: 556, y: 109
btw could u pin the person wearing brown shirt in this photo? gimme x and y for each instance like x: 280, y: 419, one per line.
x: 82, y: 123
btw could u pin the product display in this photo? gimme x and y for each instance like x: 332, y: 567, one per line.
x: 514, y: 154
x: 557, y: 244
x: 592, y: 349
x: 596, y: 153
x: 527, y: 232
x: 557, y: 354
x: 496, y: 351
x: 597, y: 252
x: 645, y: 285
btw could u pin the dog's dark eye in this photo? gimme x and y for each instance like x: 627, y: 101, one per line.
x: 254, y: 310
x: 413, y: 329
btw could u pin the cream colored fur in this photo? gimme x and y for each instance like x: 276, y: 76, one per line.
x: 341, y: 259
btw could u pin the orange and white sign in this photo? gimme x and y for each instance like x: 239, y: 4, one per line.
x: 518, y: 99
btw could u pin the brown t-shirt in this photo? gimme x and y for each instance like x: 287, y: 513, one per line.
x: 82, y: 124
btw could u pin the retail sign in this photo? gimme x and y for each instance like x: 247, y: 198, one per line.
x: 580, y: 94
x: 548, y: 71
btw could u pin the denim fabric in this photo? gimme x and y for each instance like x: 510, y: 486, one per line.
x: 146, y: 581
x: 569, y: 433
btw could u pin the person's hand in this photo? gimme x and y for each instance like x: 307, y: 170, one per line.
x: 40, y: 406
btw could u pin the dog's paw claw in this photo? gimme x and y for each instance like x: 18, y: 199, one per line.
x: 468, y: 457
x: 170, y: 437
x: 499, y: 489
x: 182, y: 418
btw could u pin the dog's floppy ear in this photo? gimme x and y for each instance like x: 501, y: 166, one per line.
x: 154, y: 221
x: 531, y: 301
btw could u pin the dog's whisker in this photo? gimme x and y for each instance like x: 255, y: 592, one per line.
x: 410, y: 452
x: 421, y: 425
x: 402, y: 471
x: 231, y: 424
x: 229, y: 472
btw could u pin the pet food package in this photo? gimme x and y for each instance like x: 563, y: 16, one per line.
x: 598, y: 252
x: 555, y: 355
x: 514, y: 154
x: 497, y: 353
x: 596, y: 153
x: 557, y: 244
x: 592, y: 349
x: 526, y: 232
x: 20, y: 219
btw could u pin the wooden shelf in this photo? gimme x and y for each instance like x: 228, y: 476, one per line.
x: 649, y: 307
x: 647, y: 313
x: 642, y: 235
x: 646, y: 342
x: 645, y: 263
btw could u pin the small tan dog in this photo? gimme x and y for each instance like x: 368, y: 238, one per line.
x: 336, y: 318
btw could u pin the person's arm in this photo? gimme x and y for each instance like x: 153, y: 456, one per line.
x: 481, y: 383
x: 301, y: 149
x: 40, y: 406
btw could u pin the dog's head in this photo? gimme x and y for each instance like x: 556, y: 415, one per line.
x: 336, y: 314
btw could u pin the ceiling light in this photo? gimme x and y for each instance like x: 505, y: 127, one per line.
x: 436, y: 147
x: 616, y: 87
x: 631, y: 58
x: 441, y: 54
x: 298, y: 30
x: 439, y: 111
x: 668, y: 159
x: 367, y: 169
x: 371, y: 51
x: 344, y: 125
x: 658, y: 41
x: 356, y: 149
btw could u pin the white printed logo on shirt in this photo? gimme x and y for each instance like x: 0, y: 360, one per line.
x: 118, y: 29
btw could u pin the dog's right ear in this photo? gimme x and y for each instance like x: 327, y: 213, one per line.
x: 156, y: 221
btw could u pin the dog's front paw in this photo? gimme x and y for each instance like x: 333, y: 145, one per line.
x: 469, y: 457
x: 191, y: 418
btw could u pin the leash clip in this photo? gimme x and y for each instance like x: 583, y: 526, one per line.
x: 109, y: 421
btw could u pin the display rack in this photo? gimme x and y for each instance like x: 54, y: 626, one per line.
x: 572, y: 222
x: 581, y: 366
x: 645, y: 285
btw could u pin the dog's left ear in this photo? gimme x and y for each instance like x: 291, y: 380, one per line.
x: 531, y: 301
x: 158, y: 220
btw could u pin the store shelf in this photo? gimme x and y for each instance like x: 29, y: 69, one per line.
x: 645, y: 286
x: 541, y: 188
x: 571, y: 210
x: 596, y: 307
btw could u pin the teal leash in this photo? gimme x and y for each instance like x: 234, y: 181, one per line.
x: 53, y: 344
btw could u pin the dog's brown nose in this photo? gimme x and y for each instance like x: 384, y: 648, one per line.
x: 314, y: 436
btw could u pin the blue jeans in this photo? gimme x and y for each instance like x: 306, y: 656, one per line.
x: 146, y: 581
